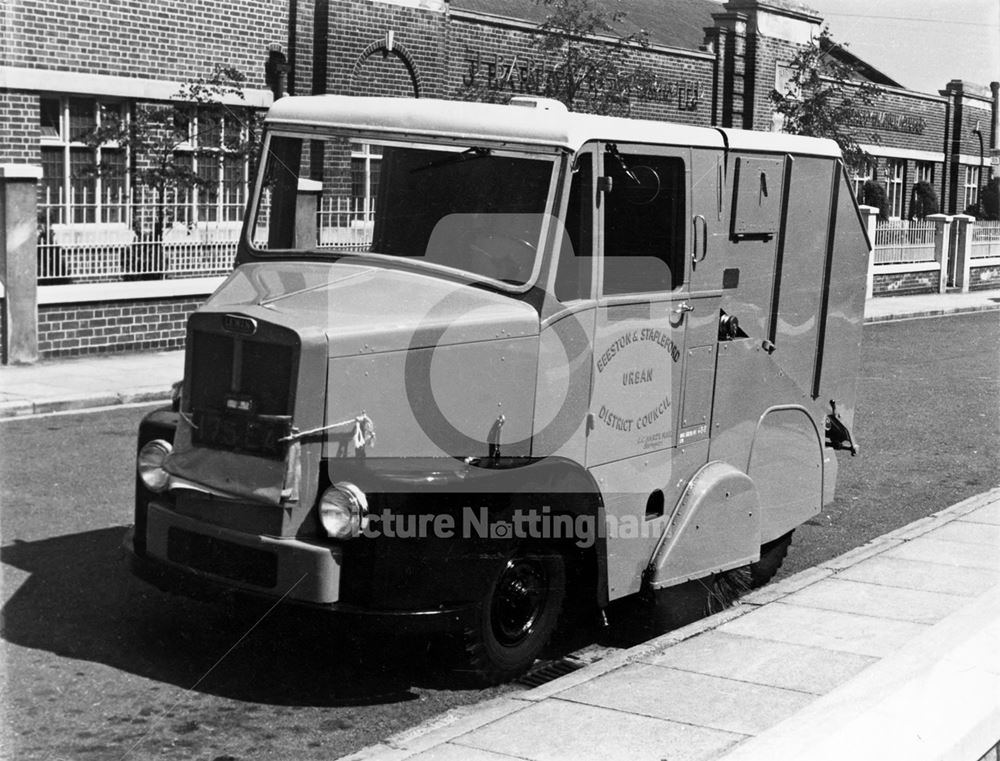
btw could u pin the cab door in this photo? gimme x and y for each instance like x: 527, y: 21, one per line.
x: 654, y: 346
x: 642, y: 308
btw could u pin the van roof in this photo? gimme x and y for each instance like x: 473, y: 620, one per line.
x: 528, y: 121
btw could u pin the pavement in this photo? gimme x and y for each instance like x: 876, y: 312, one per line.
x: 889, y: 651
x: 105, y: 380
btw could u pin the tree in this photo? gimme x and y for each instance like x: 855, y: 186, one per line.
x: 153, y: 133
x: 569, y: 64
x: 824, y: 98
x: 596, y: 77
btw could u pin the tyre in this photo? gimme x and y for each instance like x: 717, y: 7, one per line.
x: 517, y: 618
x: 772, y: 555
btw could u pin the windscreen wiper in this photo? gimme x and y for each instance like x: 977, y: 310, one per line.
x: 476, y: 152
x: 612, y: 150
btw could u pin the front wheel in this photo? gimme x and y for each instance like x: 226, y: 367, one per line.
x: 517, y: 618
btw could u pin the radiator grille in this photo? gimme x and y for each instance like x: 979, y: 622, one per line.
x: 242, y: 389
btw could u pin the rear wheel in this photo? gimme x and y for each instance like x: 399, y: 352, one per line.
x: 772, y: 555
x: 517, y: 618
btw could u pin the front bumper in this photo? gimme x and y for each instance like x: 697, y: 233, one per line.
x: 188, y: 582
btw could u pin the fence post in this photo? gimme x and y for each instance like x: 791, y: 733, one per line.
x: 942, y: 235
x: 19, y: 260
x: 870, y: 215
x: 962, y: 252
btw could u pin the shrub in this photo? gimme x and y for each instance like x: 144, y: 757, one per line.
x: 873, y: 194
x: 991, y: 199
x: 923, y: 201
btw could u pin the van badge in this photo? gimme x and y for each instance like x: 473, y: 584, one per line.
x: 235, y: 323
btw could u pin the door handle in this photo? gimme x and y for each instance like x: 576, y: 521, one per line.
x: 682, y: 308
x: 704, y: 239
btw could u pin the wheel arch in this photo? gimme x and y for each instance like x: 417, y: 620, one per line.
x: 785, y: 462
x: 714, y: 526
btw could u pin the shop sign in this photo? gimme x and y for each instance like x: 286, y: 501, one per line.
x: 523, y: 76
x: 884, y: 120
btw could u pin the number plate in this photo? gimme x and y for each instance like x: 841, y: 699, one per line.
x: 253, y: 434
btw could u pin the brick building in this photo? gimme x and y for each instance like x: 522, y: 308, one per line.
x: 70, y: 66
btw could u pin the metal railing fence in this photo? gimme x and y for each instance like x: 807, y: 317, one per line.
x: 341, y: 222
x: 985, y: 239
x: 83, y: 237
x: 903, y: 241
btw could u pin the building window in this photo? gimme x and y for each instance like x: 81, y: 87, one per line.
x: 860, y: 175
x: 894, y: 176
x: 80, y: 184
x: 925, y: 172
x: 207, y: 151
x: 971, y: 186
x: 366, y: 161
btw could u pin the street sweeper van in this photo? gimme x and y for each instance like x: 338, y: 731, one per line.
x: 479, y: 366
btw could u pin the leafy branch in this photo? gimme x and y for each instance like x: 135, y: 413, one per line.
x: 154, y: 134
x: 823, y: 97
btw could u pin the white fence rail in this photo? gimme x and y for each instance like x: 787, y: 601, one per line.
x: 116, y: 237
x: 341, y: 222
x: 903, y: 241
x: 985, y: 240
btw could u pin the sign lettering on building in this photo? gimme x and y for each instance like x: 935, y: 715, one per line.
x: 522, y: 76
x: 884, y: 120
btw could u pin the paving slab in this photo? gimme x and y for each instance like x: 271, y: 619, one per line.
x: 780, y: 589
x: 450, y: 752
x: 697, y: 699
x: 934, y: 550
x: 865, y: 551
x: 936, y: 698
x: 558, y: 730
x: 963, y: 530
x: 928, y: 577
x: 777, y: 664
x: 878, y: 601
x: 828, y: 629
x: 985, y: 514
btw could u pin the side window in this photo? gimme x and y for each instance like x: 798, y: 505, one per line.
x: 574, y: 271
x: 643, y: 223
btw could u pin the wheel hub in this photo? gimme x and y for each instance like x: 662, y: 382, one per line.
x: 520, y: 597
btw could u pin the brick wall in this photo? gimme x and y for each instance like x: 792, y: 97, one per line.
x: 360, y: 61
x: 905, y: 283
x: 983, y: 278
x: 905, y: 120
x: 113, y: 326
x: 19, y: 127
x: 483, y: 52
x: 765, y: 54
x: 155, y: 39
x: 432, y: 52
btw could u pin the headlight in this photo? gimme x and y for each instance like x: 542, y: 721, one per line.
x: 343, y: 511
x: 150, y: 461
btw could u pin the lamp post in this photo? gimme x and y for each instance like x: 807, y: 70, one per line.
x: 979, y: 184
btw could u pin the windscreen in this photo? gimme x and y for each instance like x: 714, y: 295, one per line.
x: 472, y: 208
